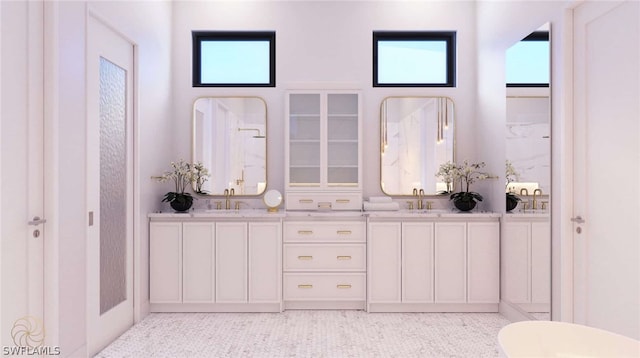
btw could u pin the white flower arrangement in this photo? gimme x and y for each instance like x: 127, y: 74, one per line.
x: 511, y: 174
x: 468, y: 173
x: 184, y: 174
x: 448, y: 173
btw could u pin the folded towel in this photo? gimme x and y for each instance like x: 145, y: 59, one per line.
x: 369, y: 206
x: 380, y: 199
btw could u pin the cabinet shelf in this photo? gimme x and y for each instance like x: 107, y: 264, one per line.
x: 348, y: 141
x: 293, y: 141
x: 293, y: 166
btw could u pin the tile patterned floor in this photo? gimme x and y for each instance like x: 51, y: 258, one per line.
x: 311, y: 334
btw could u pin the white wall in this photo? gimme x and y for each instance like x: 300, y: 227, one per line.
x: 148, y: 25
x: 324, y: 45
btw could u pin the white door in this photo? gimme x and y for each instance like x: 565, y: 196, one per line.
x: 109, y: 185
x: 450, y: 260
x: 606, y: 207
x: 483, y: 262
x: 265, y: 262
x: 22, y: 229
x: 384, y: 262
x: 231, y: 262
x: 417, y: 262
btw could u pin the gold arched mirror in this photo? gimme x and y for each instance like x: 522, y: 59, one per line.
x: 417, y: 135
x: 230, y: 139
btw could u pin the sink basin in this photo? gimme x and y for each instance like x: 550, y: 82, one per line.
x: 242, y: 213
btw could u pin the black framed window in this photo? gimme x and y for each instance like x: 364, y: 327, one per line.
x: 414, y: 59
x: 234, y: 59
x: 528, y: 63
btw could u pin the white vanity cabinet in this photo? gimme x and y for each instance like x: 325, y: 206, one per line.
x: 324, y: 263
x: 433, y: 264
x: 215, y: 265
x: 323, y: 151
x: 526, y: 261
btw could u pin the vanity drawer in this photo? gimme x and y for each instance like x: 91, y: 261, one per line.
x: 316, y: 201
x: 324, y: 286
x: 353, y: 231
x: 339, y: 257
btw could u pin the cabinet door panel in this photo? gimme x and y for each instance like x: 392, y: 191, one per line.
x: 304, y: 139
x: 198, y: 266
x: 483, y: 255
x: 540, y: 262
x: 516, y: 262
x: 231, y: 262
x: 417, y: 262
x: 265, y: 262
x: 165, y: 263
x: 384, y: 262
x: 450, y: 263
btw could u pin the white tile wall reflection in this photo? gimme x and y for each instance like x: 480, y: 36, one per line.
x: 528, y: 133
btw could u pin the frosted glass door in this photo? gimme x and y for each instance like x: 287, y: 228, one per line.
x: 109, y: 185
x: 304, y: 139
x: 113, y: 185
x: 342, y: 139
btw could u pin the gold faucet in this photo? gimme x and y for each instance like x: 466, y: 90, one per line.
x: 537, y: 192
x: 227, y: 200
x: 418, y: 195
x: 526, y: 192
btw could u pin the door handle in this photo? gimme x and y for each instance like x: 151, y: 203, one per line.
x: 578, y: 220
x: 37, y: 221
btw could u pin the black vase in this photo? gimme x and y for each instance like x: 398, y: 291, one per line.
x: 181, y: 203
x: 464, y: 205
x: 512, y: 202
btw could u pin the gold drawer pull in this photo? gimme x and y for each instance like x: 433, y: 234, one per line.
x: 305, y: 257
x: 305, y: 232
x: 343, y: 201
x: 305, y: 201
x: 305, y: 286
x: 324, y: 205
x: 344, y: 257
x: 344, y: 232
x: 343, y: 286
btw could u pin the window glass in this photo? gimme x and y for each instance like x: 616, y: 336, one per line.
x: 527, y: 62
x: 244, y: 59
x: 414, y: 59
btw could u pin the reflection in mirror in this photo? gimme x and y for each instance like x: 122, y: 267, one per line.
x: 416, y: 137
x: 526, y: 243
x: 229, y: 138
x: 528, y: 140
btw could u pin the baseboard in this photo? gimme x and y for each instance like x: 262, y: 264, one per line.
x: 215, y: 307
x: 513, y: 313
x: 78, y: 353
x: 433, y: 307
x: 324, y: 305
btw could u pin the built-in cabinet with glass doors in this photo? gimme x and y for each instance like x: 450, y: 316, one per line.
x: 323, y: 151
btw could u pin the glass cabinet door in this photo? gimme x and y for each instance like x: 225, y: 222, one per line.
x: 304, y: 139
x: 342, y: 139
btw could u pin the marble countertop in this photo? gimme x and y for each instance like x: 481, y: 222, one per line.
x: 242, y: 213
x: 431, y: 214
x: 264, y: 214
x: 529, y: 214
